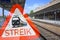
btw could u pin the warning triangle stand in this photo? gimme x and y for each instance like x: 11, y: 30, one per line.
x: 18, y: 26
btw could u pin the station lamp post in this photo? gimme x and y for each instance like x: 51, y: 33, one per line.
x: 55, y: 15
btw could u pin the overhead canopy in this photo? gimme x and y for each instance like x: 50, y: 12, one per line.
x: 7, y: 4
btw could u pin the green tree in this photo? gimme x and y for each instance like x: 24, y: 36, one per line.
x: 31, y: 12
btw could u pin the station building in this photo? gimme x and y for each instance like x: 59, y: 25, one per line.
x: 50, y: 11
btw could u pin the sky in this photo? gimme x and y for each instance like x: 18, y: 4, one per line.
x: 30, y: 5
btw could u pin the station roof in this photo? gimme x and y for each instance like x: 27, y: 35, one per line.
x: 53, y: 2
x: 7, y: 4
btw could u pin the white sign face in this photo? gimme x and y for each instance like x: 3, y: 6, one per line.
x: 18, y: 26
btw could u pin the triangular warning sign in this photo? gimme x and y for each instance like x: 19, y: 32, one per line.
x: 18, y: 25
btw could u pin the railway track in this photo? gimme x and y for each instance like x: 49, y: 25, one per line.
x: 47, y: 34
